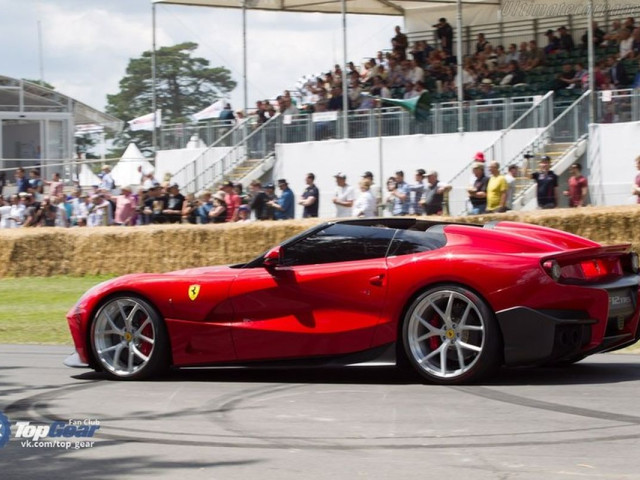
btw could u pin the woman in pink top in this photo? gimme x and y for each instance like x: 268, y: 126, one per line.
x: 126, y: 204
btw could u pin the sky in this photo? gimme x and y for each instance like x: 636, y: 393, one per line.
x: 87, y: 44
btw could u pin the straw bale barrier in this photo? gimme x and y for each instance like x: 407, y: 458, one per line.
x: 161, y: 248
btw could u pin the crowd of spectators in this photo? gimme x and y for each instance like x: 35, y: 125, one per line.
x: 405, y: 71
x: 44, y: 203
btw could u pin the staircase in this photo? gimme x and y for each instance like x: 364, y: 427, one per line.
x: 537, y: 117
x: 247, y: 159
x: 564, y: 141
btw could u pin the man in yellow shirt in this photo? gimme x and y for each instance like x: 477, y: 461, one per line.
x: 496, y: 190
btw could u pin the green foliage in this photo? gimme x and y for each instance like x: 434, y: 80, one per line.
x: 184, y: 86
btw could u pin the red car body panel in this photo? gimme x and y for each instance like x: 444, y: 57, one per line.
x: 332, y: 309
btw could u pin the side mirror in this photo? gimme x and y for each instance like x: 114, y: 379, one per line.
x: 272, y: 257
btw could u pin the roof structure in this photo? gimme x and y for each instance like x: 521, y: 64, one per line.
x: 364, y: 7
x: 22, y: 96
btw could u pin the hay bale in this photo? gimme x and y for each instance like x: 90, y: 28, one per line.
x: 162, y: 248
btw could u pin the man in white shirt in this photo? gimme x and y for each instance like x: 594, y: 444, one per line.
x: 344, y: 196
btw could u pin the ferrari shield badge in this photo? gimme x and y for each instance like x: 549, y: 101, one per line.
x: 194, y: 290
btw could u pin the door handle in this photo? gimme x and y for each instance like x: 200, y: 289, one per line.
x: 377, y: 280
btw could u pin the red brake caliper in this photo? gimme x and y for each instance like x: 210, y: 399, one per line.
x: 434, y: 342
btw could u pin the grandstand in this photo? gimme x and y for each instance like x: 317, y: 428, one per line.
x: 534, y: 116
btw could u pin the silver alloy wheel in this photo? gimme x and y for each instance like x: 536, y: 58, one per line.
x: 446, y: 333
x: 124, y: 336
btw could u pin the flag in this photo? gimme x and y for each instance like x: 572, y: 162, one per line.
x: 88, y: 129
x: 212, y: 111
x: 145, y: 122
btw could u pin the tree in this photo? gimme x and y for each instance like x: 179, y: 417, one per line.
x: 184, y: 86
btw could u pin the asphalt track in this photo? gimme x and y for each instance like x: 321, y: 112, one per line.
x: 573, y: 422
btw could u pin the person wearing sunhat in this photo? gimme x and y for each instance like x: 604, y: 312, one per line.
x: 106, y: 180
x: 218, y: 214
x: 126, y: 203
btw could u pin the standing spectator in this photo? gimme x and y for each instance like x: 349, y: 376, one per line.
x: 444, y: 33
x: 218, y: 214
x: 106, y: 180
x: 36, y: 185
x: 636, y: 187
x: 310, y: 198
x: 553, y: 43
x: 565, y: 41
x: 478, y: 191
x: 62, y: 217
x: 205, y: 205
x: 399, y: 44
x: 190, y: 209
x: 365, y: 204
x: 578, y: 187
x: 16, y: 212
x: 510, y: 177
x: 100, y: 212
x: 172, y: 208
x: 22, y: 182
x: 232, y: 199
x: 31, y: 212
x: 285, y: 204
x: 598, y: 36
x: 481, y: 43
x: 258, y: 201
x: 227, y: 114
x: 80, y: 211
x: 398, y: 198
x: 496, y: 190
x: 270, y: 196
x: 625, y: 43
x: 343, y: 197
x: 417, y: 190
x: 433, y: 199
x: 617, y: 72
x: 125, y: 211
x: 244, y: 214
x: 55, y: 185
x: 47, y: 214
x: 5, y: 213
x: 373, y: 187
x: 547, y: 183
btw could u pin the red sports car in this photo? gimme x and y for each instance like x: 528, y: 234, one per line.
x: 453, y: 301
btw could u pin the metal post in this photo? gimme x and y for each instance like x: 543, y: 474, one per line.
x: 154, y: 139
x: 244, y: 55
x: 592, y: 81
x: 345, y: 90
x: 459, y: 61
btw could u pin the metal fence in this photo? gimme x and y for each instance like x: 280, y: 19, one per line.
x: 478, y: 115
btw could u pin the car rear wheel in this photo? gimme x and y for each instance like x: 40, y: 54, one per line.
x: 450, y: 336
x: 129, y: 339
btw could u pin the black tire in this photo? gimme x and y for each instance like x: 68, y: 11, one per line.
x: 450, y: 336
x: 129, y: 339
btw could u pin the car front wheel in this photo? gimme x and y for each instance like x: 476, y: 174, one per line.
x: 450, y: 336
x: 129, y: 339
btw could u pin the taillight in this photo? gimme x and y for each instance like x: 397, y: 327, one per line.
x: 584, y: 270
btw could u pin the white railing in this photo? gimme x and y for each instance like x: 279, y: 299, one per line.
x: 537, y: 116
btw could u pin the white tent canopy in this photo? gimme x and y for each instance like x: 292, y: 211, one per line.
x: 130, y: 166
x: 86, y: 177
